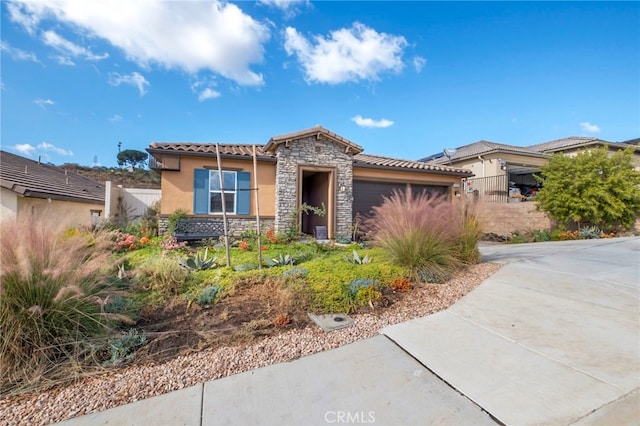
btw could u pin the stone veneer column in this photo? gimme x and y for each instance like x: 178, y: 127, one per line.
x: 313, y: 152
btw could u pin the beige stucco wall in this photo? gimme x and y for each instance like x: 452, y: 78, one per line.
x: 8, y: 203
x: 73, y: 212
x: 177, y: 186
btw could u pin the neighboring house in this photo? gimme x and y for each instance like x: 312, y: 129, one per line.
x: 504, y: 172
x: 30, y: 187
x: 315, y: 167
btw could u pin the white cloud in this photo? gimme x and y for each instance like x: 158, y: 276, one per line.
x: 369, y: 122
x: 135, y: 79
x: 289, y: 8
x: 43, y: 102
x: 64, y: 46
x: 590, y: 128
x: 29, y: 21
x: 116, y: 118
x: 64, y: 60
x: 187, y: 35
x: 25, y: 149
x: 46, y: 146
x: 17, y: 54
x: 348, y: 54
x: 419, y: 63
x: 208, y: 93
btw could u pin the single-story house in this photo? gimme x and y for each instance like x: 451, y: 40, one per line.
x: 313, y: 167
x: 499, y: 169
x: 28, y: 186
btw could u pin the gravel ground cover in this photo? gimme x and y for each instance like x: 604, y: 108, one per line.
x: 123, y: 386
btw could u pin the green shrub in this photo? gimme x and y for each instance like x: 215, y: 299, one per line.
x: 173, y: 220
x: 541, y: 235
x: 53, y: 289
x: 592, y: 188
x: 161, y: 274
x: 556, y: 235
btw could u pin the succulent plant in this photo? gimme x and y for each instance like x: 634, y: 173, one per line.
x: 198, y: 263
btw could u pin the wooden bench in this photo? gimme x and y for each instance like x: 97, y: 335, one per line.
x: 196, y: 229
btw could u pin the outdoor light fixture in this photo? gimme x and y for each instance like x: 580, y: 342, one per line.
x: 503, y: 164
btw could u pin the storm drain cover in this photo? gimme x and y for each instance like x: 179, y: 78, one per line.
x: 330, y: 322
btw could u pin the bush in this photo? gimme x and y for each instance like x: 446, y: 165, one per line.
x: 53, y: 291
x: 162, y: 274
x: 425, y: 231
x: 591, y: 189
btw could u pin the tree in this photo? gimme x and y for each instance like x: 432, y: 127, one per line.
x: 132, y: 157
x: 591, y: 189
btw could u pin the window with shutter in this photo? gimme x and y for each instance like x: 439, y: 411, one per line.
x: 207, y: 192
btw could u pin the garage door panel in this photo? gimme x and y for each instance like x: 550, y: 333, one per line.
x: 368, y: 194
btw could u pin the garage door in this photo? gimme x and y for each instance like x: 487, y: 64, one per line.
x: 368, y: 194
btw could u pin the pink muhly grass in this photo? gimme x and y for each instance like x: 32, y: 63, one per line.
x: 416, y: 230
x: 49, y: 279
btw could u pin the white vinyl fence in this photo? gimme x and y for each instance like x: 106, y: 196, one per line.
x: 129, y: 202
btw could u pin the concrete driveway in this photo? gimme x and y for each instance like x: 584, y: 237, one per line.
x: 552, y: 338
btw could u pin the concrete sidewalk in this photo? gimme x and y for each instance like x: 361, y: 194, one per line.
x: 552, y: 338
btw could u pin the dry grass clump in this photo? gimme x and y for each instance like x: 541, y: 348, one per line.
x: 52, y: 298
x: 426, y: 233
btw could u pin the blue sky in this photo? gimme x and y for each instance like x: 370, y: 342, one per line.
x: 401, y: 79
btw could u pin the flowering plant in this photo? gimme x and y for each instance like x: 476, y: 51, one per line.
x: 171, y: 243
x: 271, y: 235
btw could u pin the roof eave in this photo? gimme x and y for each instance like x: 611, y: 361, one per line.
x: 460, y: 173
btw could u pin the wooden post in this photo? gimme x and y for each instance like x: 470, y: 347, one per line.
x: 224, y: 208
x: 257, y: 198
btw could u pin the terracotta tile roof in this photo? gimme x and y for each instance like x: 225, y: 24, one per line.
x: 33, y: 179
x: 234, y: 150
x: 366, y: 160
x: 239, y: 150
x: 481, y: 148
x: 576, y: 142
x: 313, y: 131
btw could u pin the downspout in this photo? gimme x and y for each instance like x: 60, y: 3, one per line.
x: 484, y: 174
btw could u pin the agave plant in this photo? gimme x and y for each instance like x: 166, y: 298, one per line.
x: 357, y: 259
x: 198, y: 263
x: 280, y: 260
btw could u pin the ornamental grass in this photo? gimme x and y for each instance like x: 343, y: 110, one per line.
x: 53, y: 291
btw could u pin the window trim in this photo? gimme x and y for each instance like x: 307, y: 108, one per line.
x: 213, y: 174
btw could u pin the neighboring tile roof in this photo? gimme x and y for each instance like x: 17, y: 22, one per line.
x: 239, y: 150
x: 33, y: 179
x: 481, y: 148
x: 575, y: 142
x: 313, y: 131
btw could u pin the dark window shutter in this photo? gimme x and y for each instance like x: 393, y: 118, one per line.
x: 201, y: 191
x: 244, y: 194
